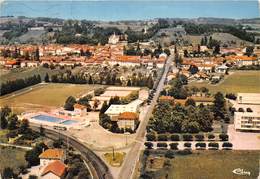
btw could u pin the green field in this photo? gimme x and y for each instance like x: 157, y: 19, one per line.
x: 11, y: 157
x: 21, y: 73
x: 45, y: 97
x: 237, y: 81
x: 211, y: 165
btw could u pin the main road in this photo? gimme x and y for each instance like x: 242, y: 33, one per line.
x: 132, y: 157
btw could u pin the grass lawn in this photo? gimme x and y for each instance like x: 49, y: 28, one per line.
x: 238, y: 81
x: 3, y: 133
x: 118, y: 158
x: 11, y: 157
x: 211, y: 165
x: 50, y: 95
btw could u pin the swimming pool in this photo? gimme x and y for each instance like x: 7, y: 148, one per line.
x: 47, y: 118
x: 68, y: 122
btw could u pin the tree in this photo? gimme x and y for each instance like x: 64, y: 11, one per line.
x: 42, y: 131
x: 46, y: 78
x: 32, y: 156
x: 8, y: 173
x: 219, y: 105
x: 69, y: 104
x: 150, y: 82
x: 249, y: 50
x: 24, y: 126
x: 12, y: 122
x: 4, y: 112
x: 96, y: 104
x: 190, y: 102
x: 104, y: 107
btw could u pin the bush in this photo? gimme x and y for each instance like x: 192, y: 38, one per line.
x: 249, y: 110
x: 199, y: 137
x: 187, y: 137
x: 187, y: 144
x: 150, y: 137
x: 184, y: 152
x: 175, y: 137
x: 211, y: 136
x: 162, y: 137
x: 213, y: 144
x: 169, y: 154
x: 231, y: 96
x: 200, y: 144
x: 174, y: 146
x: 147, y: 152
x: 223, y: 137
x: 227, y: 144
x: 149, y: 145
x: 162, y: 144
x: 241, y: 110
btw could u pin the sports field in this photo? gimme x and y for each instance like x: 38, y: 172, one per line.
x: 45, y: 97
x: 237, y: 81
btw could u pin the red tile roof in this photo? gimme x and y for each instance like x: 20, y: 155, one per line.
x: 52, y: 154
x: 57, y: 168
x: 128, y: 116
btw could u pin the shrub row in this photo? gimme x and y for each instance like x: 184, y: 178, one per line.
x: 185, y: 137
x: 174, y: 146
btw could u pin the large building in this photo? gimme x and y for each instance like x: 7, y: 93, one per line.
x: 248, y: 98
x: 249, y: 121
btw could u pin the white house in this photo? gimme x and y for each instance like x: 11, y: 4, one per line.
x: 51, y: 155
x: 247, y: 121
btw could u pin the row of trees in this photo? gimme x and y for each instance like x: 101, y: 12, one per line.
x: 11, y: 86
x: 103, y: 78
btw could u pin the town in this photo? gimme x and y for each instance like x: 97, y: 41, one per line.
x: 128, y: 104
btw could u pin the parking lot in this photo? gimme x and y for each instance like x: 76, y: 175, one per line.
x: 243, y: 140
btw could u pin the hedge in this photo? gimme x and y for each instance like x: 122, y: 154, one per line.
x: 148, y: 145
x: 184, y: 152
x: 174, y: 146
x: 223, y: 137
x: 199, y: 137
x: 187, y: 137
x: 150, y: 137
x: 200, y: 144
x: 227, y: 144
x: 187, y: 144
x: 211, y: 136
x: 213, y: 144
x: 162, y: 137
x: 175, y: 137
x: 162, y: 144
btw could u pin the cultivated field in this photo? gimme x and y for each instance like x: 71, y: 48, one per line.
x: 215, y: 164
x: 238, y: 81
x: 9, y: 155
x: 45, y: 97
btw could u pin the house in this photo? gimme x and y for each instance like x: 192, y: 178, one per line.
x: 127, y: 120
x: 169, y: 99
x: 54, y: 170
x: 247, y: 121
x: 51, y: 155
x: 221, y: 69
x: 80, y: 109
x: 248, y: 98
x: 203, y: 100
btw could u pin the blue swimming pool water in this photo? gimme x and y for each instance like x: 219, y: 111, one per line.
x: 68, y: 122
x: 47, y: 118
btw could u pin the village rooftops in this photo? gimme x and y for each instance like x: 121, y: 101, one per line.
x: 128, y: 116
x: 57, y: 167
x: 52, y: 154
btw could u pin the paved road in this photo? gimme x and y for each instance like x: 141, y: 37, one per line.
x: 98, y: 168
x: 132, y: 157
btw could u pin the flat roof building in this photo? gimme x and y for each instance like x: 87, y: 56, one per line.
x: 248, y: 98
x: 249, y: 121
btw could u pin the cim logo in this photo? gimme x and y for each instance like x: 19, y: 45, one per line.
x: 240, y: 171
